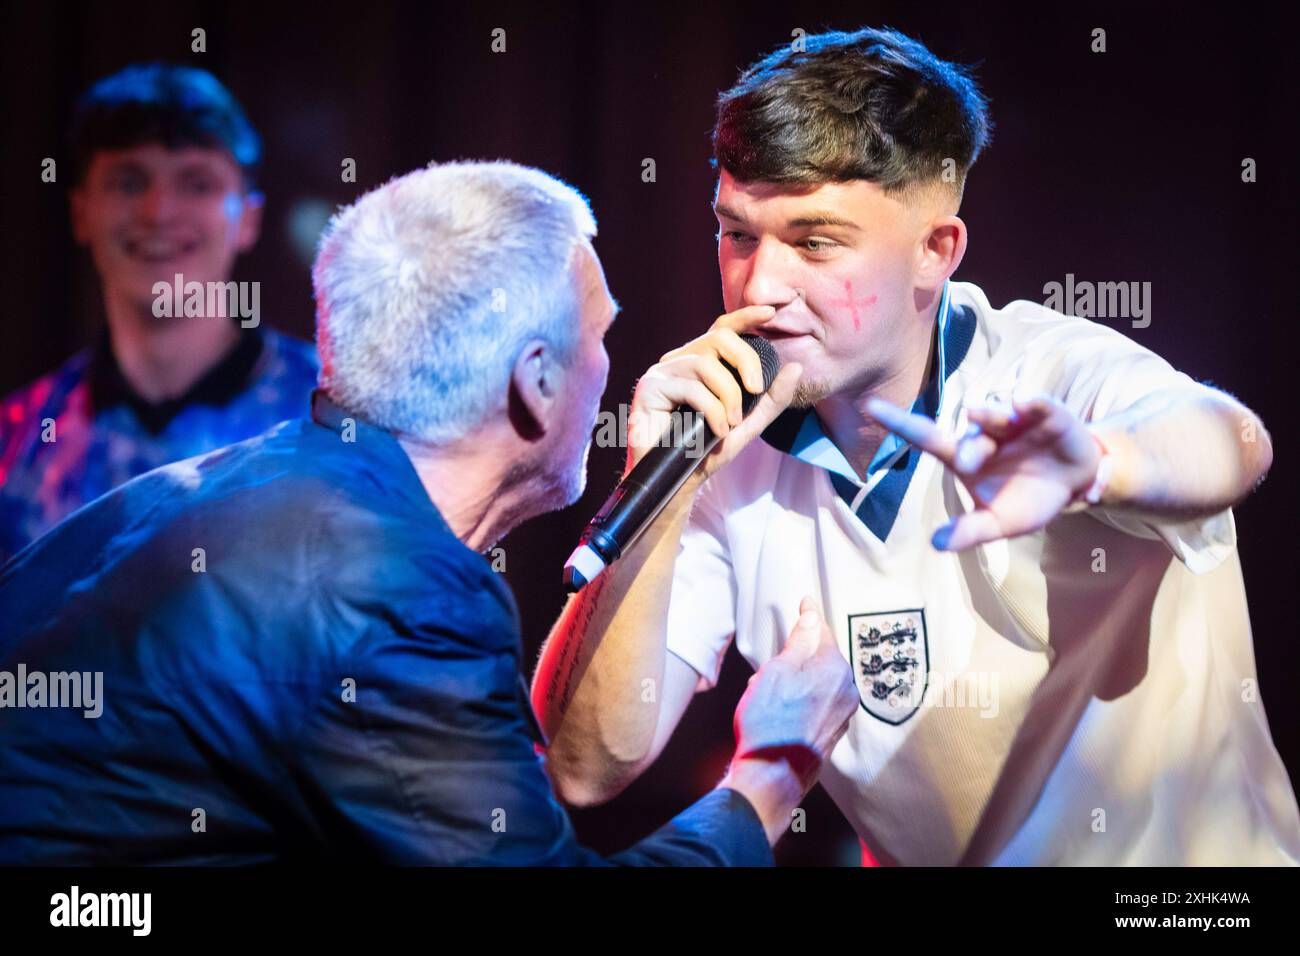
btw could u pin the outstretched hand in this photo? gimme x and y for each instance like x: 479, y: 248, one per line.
x: 1023, y: 463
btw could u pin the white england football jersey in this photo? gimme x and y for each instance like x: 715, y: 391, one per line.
x: 1083, y: 695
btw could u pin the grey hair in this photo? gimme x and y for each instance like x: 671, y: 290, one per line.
x: 428, y: 287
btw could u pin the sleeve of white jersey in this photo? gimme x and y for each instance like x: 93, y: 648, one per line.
x: 702, y: 605
x: 1099, y: 372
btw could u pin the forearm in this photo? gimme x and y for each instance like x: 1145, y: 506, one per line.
x: 598, y: 686
x: 1183, y: 455
x: 772, y: 786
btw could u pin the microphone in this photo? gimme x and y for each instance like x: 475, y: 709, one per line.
x: 648, y: 487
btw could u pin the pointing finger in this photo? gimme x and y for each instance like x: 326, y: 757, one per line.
x: 914, y: 429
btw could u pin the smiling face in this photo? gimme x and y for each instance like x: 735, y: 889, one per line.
x: 148, y: 213
x: 844, y: 265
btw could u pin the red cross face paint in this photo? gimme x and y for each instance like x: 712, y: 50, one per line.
x: 853, y: 304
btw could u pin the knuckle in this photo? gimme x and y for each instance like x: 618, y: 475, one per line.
x: 726, y: 336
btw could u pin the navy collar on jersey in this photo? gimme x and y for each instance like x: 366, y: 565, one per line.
x: 798, y: 432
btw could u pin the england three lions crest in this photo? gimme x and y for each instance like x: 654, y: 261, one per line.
x: 891, y: 662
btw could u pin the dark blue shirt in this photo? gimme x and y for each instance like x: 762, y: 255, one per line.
x: 299, y: 661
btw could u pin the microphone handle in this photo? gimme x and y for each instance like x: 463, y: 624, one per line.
x: 651, y: 484
x: 658, y: 475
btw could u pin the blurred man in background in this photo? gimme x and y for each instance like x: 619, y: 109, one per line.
x: 165, y: 198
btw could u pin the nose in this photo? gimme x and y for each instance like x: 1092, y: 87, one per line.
x: 157, y: 204
x: 768, y: 282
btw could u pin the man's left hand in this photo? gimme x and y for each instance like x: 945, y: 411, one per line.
x: 1022, y: 463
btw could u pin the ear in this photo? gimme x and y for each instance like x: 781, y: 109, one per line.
x: 941, y: 252
x: 250, y: 221
x: 536, y: 383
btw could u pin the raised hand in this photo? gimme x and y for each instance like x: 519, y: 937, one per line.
x: 799, y: 703
x: 694, y: 375
x: 1023, y: 463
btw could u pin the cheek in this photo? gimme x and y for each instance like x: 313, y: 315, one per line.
x: 598, y: 383
x: 845, y: 304
x: 98, y: 232
x: 731, y: 269
x: 104, y: 232
x: 219, y: 216
x: 589, y: 384
x: 101, y: 220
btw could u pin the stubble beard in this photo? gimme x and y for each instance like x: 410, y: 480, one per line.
x: 809, y: 392
x: 554, y: 489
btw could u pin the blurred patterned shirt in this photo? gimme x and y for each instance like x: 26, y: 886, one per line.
x: 82, y: 430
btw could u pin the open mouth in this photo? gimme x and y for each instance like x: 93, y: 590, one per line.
x: 155, y: 250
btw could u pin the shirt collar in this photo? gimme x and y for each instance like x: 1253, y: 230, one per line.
x: 799, y: 432
x: 219, y: 385
x: 384, y: 459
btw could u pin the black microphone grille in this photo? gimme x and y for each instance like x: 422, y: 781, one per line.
x: 766, y: 355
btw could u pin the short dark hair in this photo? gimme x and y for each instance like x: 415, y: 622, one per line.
x: 176, y: 106
x: 873, y: 105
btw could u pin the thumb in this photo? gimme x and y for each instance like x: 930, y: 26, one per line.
x: 772, y: 402
x: 806, y: 635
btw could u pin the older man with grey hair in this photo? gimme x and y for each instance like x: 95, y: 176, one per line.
x: 304, y: 653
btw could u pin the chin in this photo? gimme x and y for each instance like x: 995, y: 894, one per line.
x: 809, y: 392
x: 577, y: 483
x: 560, y: 494
x: 577, y: 489
x: 565, y: 488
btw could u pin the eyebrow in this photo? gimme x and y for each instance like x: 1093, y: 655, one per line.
x: 817, y: 218
x: 824, y: 219
x: 190, y: 168
x: 131, y: 165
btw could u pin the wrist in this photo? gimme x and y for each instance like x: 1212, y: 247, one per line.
x: 773, y: 785
x: 1128, y: 464
x: 1096, y: 491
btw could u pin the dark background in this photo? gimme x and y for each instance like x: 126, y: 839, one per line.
x: 1122, y: 166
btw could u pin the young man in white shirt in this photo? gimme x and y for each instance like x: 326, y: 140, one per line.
x: 1032, y: 572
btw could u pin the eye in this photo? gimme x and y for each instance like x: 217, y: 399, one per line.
x: 734, y: 235
x: 200, y: 185
x: 819, y: 245
x: 127, y: 182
